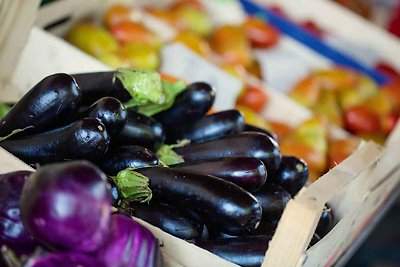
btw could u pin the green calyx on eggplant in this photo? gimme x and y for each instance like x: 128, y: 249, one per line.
x: 48, y: 104
x: 110, y: 111
x: 83, y: 139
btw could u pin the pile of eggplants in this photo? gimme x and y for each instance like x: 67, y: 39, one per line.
x: 210, y: 179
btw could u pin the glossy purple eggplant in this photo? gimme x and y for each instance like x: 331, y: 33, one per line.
x: 190, y: 105
x: 246, y: 172
x: 222, y: 203
x: 130, y: 245
x: 12, y: 230
x: 67, y: 206
x: 119, y: 158
x: 67, y: 259
x: 50, y: 103
x: 248, y: 144
x: 273, y: 199
x: 83, y: 139
x: 168, y: 219
x: 246, y: 251
x: 209, y: 127
x: 292, y: 174
x: 140, y: 130
x: 110, y: 111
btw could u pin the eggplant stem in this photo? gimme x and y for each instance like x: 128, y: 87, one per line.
x: 134, y: 186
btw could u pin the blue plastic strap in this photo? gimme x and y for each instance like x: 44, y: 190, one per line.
x: 304, y: 37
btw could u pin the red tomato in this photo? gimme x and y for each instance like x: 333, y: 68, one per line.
x: 115, y: 15
x: 253, y: 98
x: 260, y: 34
x: 389, y: 122
x: 132, y: 32
x: 387, y: 69
x: 360, y: 120
x: 312, y: 28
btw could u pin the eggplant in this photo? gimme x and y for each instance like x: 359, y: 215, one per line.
x: 109, y: 111
x: 222, y: 203
x: 52, y: 102
x: 12, y: 231
x: 246, y: 172
x: 168, y: 219
x: 325, y: 223
x: 64, y: 259
x: 123, y: 157
x: 247, y: 144
x: 314, y: 240
x: 140, y: 130
x: 273, y: 199
x: 246, y: 251
x: 83, y: 139
x: 209, y: 127
x: 189, y: 105
x: 252, y: 128
x: 292, y: 174
x: 129, y: 245
x: 67, y: 206
x: 96, y: 85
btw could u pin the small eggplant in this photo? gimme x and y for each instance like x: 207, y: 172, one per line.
x: 140, y: 130
x: 123, y: 157
x: 50, y: 103
x: 273, y: 199
x: 95, y: 85
x: 12, y: 230
x: 247, y: 144
x: 209, y: 127
x: 109, y: 111
x: 83, y: 139
x: 325, y: 223
x: 246, y: 251
x: 129, y: 245
x: 168, y: 219
x: 190, y: 105
x: 224, y: 204
x: 292, y: 174
x: 247, y: 172
x: 67, y: 206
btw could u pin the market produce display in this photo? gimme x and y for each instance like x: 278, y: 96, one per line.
x: 211, y: 183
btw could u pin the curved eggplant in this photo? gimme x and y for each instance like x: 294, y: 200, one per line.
x: 247, y: 172
x: 246, y: 251
x: 52, y: 102
x: 123, y: 157
x: 224, y: 204
x: 96, y: 85
x: 209, y: 127
x: 273, y: 199
x: 140, y: 130
x: 168, y: 219
x: 109, y: 111
x: 83, y: 139
x: 247, y: 144
x: 189, y: 105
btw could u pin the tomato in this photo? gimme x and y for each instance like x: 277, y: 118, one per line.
x: 387, y: 69
x: 389, y: 122
x: 253, y: 118
x: 393, y: 89
x: 194, y: 42
x: 281, y: 129
x: 306, y: 92
x: 360, y: 120
x: 140, y: 56
x: 168, y: 78
x: 131, y: 32
x: 261, y: 34
x: 312, y: 28
x: 253, y: 98
x: 115, y: 15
